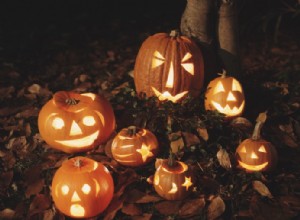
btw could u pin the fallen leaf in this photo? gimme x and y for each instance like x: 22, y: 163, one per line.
x: 190, y: 139
x: 40, y: 202
x: 34, y: 89
x: 242, y: 124
x: 168, y: 207
x: 261, y: 189
x: 145, y: 216
x: 192, y: 207
x: 223, y: 158
x: 7, y: 214
x: 261, y: 209
x: 216, y: 208
x: 176, y: 142
x: 203, y: 133
x: 34, y: 188
x: 131, y: 209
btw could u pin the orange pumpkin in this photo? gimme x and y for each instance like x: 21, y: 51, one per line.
x: 169, y: 66
x: 82, y: 188
x: 173, y: 180
x: 255, y: 153
x: 225, y: 95
x: 74, y: 122
x: 134, y: 146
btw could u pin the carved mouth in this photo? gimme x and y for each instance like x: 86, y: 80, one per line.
x: 167, y: 96
x: 253, y: 167
x: 80, y: 142
x: 227, y: 110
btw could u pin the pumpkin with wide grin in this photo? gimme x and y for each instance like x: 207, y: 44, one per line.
x: 74, y: 122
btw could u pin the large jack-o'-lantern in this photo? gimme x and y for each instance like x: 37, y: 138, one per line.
x: 82, y: 188
x: 225, y: 95
x: 255, y: 153
x: 169, y: 67
x: 173, y: 180
x: 134, y: 146
x: 74, y: 122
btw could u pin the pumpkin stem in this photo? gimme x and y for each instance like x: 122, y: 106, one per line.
x: 171, y: 159
x: 174, y: 33
x: 132, y: 130
x: 78, y: 162
x: 72, y: 101
x: 223, y: 74
x: 262, y: 117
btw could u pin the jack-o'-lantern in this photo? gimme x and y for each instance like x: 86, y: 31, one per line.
x: 134, y: 146
x: 82, y: 188
x: 169, y: 66
x: 173, y: 179
x: 74, y: 122
x: 225, y: 95
x: 255, y: 153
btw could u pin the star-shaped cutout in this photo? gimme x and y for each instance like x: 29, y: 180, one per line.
x: 145, y: 152
x: 187, y: 183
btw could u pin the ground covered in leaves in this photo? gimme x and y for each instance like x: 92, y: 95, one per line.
x: 92, y: 48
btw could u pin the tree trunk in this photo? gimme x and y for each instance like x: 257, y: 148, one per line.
x: 215, y: 31
x: 198, y: 22
x: 228, y: 37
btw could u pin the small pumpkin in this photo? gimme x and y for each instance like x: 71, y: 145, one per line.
x: 169, y: 66
x: 73, y: 122
x: 82, y: 188
x: 225, y: 94
x: 173, y: 179
x: 255, y: 153
x: 134, y: 146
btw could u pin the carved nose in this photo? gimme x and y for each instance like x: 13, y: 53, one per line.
x: 170, y: 80
x: 75, y: 129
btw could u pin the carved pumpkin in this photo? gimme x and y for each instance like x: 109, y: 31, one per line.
x: 255, y: 153
x: 225, y: 94
x: 82, y: 188
x: 173, y: 180
x: 74, y: 122
x: 169, y: 67
x: 134, y: 146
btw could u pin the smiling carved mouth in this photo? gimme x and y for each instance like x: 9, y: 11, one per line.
x: 80, y: 142
x: 227, y: 110
x: 167, y: 96
x: 253, y: 167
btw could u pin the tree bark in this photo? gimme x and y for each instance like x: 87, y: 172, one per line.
x: 228, y: 37
x: 213, y: 25
x: 198, y: 22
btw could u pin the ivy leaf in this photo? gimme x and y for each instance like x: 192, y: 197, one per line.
x: 215, y: 208
x: 262, y: 189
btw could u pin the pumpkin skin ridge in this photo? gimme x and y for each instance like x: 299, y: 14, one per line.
x: 181, y: 74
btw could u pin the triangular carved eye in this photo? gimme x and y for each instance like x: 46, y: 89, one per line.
x: 262, y: 149
x: 219, y: 88
x: 157, y: 60
x: 189, y: 67
x: 236, y: 86
x: 243, y: 150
